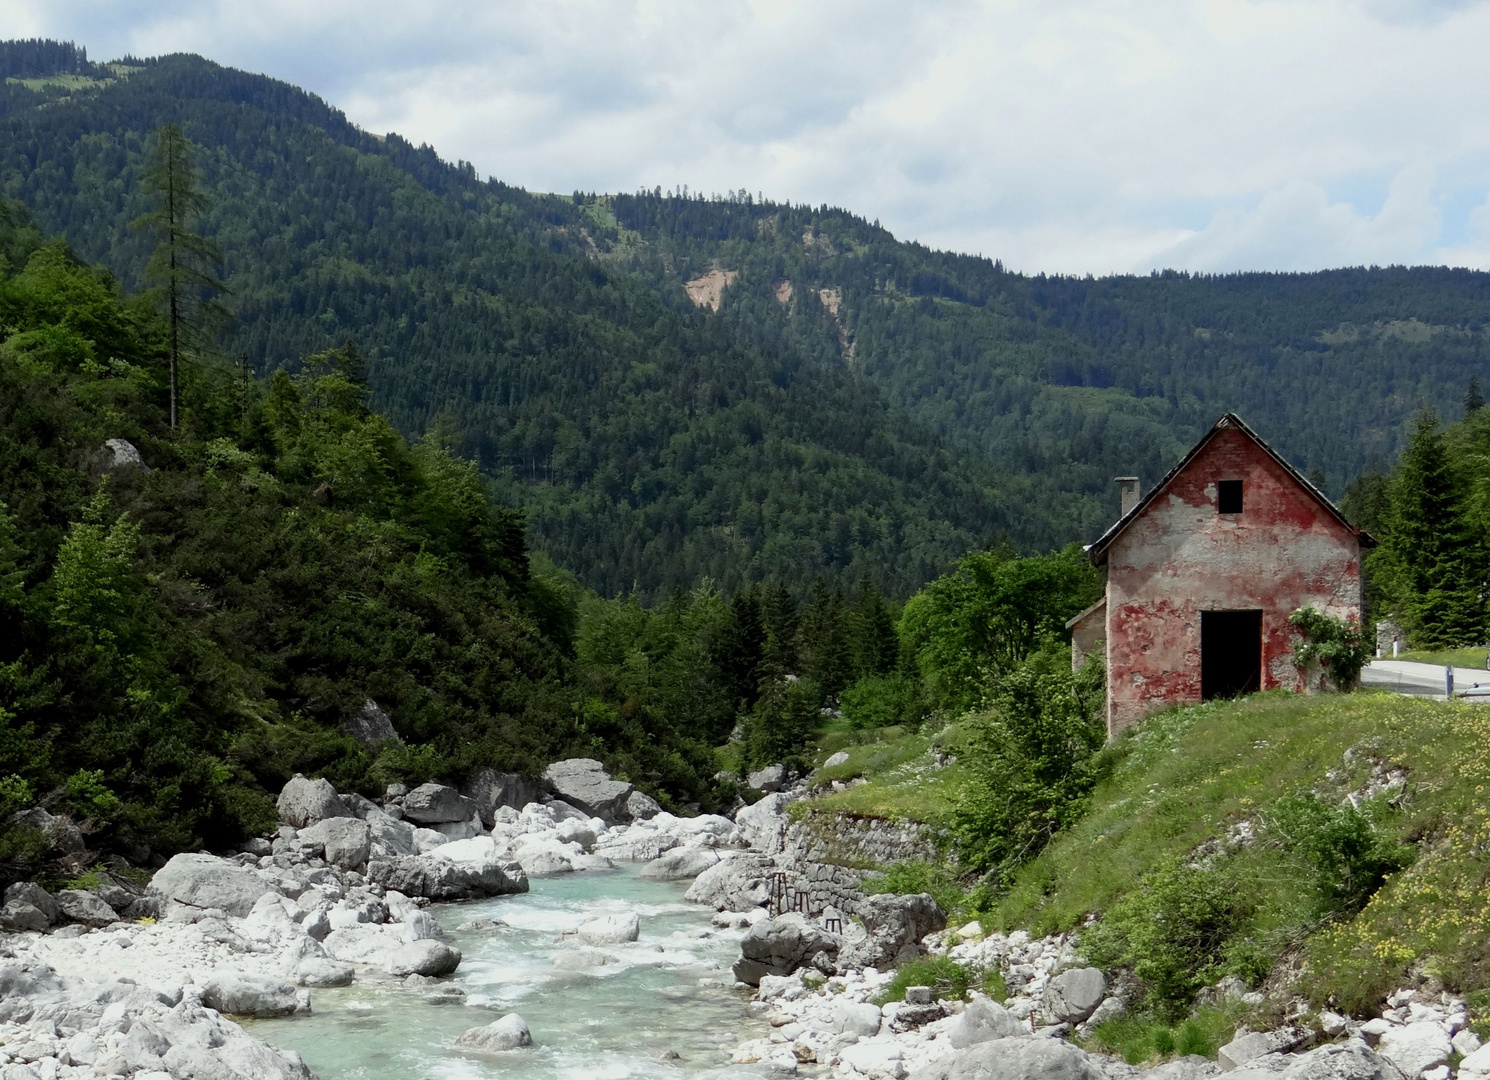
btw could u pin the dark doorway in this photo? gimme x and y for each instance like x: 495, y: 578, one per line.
x: 1230, y: 653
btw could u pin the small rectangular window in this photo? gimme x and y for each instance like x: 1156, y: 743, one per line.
x: 1229, y: 496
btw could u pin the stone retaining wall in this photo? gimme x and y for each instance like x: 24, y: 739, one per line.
x: 827, y: 854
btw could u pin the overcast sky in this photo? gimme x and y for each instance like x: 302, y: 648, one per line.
x: 1058, y: 135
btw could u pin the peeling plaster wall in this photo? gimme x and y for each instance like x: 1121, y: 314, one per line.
x: 1181, y: 557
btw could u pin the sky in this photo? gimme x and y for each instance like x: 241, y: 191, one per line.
x: 1070, y: 136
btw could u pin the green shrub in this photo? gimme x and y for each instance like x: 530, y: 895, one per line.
x: 906, y: 878
x: 1350, y: 860
x: 947, y: 978
x: 1139, y: 1039
x: 1339, y: 645
x: 878, y: 701
x: 1033, y: 761
x: 1174, y: 933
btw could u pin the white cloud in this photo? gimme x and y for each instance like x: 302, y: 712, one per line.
x: 1063, y: 135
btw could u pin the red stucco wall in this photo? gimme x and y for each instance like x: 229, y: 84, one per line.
x: 1181, y: 557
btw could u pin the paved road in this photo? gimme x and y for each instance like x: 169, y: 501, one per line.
x: 1425, y: 680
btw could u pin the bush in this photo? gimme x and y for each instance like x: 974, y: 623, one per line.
x: 947, y: 978
x: 1348, y: 857
x: 1177, y: 933
x: 907, y: 878
x: 878, y: 701
x: 1339, y: 645
x: 1137, y: 1039
x: 1033, y: 760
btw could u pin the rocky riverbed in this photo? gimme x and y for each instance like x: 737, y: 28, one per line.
x: 408, y: 938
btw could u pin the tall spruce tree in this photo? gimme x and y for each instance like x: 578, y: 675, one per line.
x: 1427, y: 548
x: 183, y: 263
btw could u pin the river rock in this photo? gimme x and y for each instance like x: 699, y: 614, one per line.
x: 573, y: 831
x: 983, y: 1020
x: 895, y: 925
x: 322, y: 971
x: 427, y: 957
x: 477, y: 849
x: 640, y: 806
x: 544, y: 858
x: 763, y: 824
x: 85, y: 907
x: 739, y: 883
x: 344, y: 842
x: 508, y: 1033
x: 18, y: 916
x: 430, y: 804
x: 875, y: 1058
x: 304, y: 802
x: 771, y: 778
x: 1415, y: 1047
x: 440, y: 879
x: 681, y: 864
x: 205, y: 881
x: 581, y: 960
x: 584, y: 783
x: 1074, y: 995
x: 782, y: 945
x: 1014, y: 1059
x: 390, y: 836
x: 1337, y: 1061
x: 28, y: 892
x: 611, y: 929
x: 859, y: 1018
x: 635, y: 845
x: 489, y: 790
x: 248, y: 995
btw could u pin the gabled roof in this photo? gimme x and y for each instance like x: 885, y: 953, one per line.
x: 1084, y: 613
x: 1097, y: 552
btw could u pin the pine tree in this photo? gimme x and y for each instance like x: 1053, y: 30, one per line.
x: 876, y: 647
x: 183, y: 261
x: 779, y: 613
x: 740, y: 653
x: 1474, y: 400
x: 1427, y: 548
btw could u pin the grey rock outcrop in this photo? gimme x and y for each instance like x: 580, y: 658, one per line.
x: 441, y: 879
x: 28, y: 892
x: 370, y: 726
x: 782, y: 945
x: 1074, y: 995
x: 584, y: 783
x: 771, y: 778
x: 248, y: 995
x: 424, y: 957
x: 343, y: 842
x: 432, y: 804
x: 1259, y: 1044
x: 304, y: 802
x: 895, y: 925
x: 204, y: 881
x: 1337, y: 1061
x: 738, y: 883
x: 61, y: 834
x: 489, y: 789
x: 508, y: 1033
x: 763, y: 824
x: 983, y: 1020
x: 122, y: 454
x: 641, y: 807
x: 85, y: 907
x: 17, y: 916
x: 1015, y: 1059
x: 680, y: 864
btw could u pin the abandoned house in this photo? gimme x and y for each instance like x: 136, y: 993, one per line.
x: 1203, y: 572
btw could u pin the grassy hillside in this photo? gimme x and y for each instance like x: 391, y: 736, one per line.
x: 1225, y: 822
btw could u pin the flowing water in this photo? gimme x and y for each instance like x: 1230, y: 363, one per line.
x: 617, y: 1021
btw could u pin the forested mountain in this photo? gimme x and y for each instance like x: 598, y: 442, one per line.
x: 679, y: 387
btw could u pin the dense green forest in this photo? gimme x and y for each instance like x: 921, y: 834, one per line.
x: 191, y: 614
x: 856, y: 406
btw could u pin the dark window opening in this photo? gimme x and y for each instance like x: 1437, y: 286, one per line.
x: 1229, y: 496
x: 1230, y: 653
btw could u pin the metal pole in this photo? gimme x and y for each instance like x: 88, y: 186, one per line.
x: 1448, y: 678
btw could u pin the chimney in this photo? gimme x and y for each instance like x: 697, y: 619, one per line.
x: 1130, y: 492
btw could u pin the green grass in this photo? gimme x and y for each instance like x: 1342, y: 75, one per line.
x: 1186, y: 777
x: 1473, y: 657
x: 1141, y: 1041
x: 904, y: 781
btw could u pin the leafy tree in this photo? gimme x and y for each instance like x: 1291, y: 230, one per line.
x: 183, y: 261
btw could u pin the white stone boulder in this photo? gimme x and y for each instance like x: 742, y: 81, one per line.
x: 205, y: 881
x: 427, y: 957
x: 611, y: 929
x: 304, y: 802
x: 983, y: 1020
x: 322, y: 971
x: 1014, y: 1059
x: 85, y: 907
x: 681, y: 864
x: 508, y: 1033
x: 1415, y: 1047
x: 584, y: 784
x: 1074, y: 995
x: 344, y: 842
x: 878, y: 1059
x: 241, y: 994
x: 430, y: 804
x: 763, y: 824
x: 738, y: 883
x: 860, y: 1018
